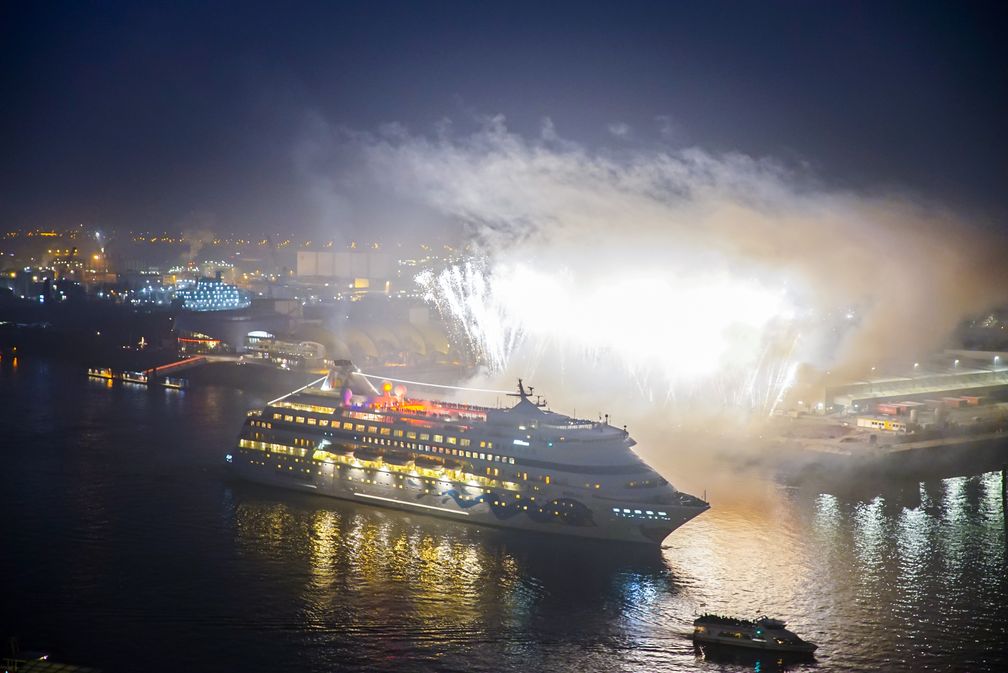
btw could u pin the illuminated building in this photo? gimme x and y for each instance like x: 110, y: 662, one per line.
x: 196, y: 343
x: 289, y: 354
x: 212, y: 294
x: 524, y: 467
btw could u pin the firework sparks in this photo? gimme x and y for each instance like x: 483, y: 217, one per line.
x: 678, y: 337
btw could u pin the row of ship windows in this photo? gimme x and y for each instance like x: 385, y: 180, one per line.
x: 646, y: 483
x: 375, y: 430
x: 490, y: 471
x: 430, y: 482
x: 281, y: 449
x: 640, y: 514
x: 621, y: 512
x: 460, y: 453
x: 299, y: 406
x: 495, y: 472
x: 546, y: 479
x: 501, y: 503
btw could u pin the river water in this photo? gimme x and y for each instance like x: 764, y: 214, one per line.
x: 126, y: 547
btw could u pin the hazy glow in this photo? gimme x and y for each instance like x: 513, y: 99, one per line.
x: 666, y: 275
x: 685, y: 331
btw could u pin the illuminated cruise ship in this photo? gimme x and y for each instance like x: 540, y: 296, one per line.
x: 522, y: 467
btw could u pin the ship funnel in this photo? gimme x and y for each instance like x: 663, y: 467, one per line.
x: 344, y: 376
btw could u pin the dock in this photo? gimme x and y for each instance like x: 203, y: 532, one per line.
x: 144, y: 378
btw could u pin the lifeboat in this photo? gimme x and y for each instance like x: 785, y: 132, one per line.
x: 398, y: 458
x: 367, y: 453
x: 341, y: 448
x: 429, y: 462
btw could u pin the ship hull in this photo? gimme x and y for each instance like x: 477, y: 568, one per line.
x: 596, y: 518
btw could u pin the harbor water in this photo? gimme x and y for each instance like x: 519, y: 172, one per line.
x: 126, y: 547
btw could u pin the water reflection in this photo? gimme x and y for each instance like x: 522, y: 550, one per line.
x: 760, y: 662
x: 125, y: 536
x: 436, y: 588
x: 879, y: 571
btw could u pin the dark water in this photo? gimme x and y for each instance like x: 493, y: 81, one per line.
x: 124, y: 547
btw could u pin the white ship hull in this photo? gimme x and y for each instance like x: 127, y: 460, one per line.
x: 382, y: 489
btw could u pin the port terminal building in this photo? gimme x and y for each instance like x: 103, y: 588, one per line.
x: 896, y: 395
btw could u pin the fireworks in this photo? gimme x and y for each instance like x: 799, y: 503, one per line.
x: 679, y: 337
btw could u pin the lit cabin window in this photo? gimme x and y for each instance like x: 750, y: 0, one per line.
x: 464, y: 442
x: 451, y: 440
x: 311, y: 421
x: 489, y: 445
x: 348, y: 426
x: 511, y: 461
x: 546, y: 479
x: 482, y: 456
x: 359, y: 428
x: 397, y: 433
x: 300, y: 419
x: 411, y: 435
x: 324, y: 423
x: 438, y: 438
x: 277, y: 417
x: 386, y: 431
x: 372, y: 429
x: 424, y: 437
x: 482, y: 445
x: 289, y: 419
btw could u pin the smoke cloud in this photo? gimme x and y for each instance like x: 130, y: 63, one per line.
x: 618, y: 279
x: 197, y: 232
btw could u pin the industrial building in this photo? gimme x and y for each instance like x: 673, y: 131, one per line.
x: 958, y: 386
x: 363, y: 269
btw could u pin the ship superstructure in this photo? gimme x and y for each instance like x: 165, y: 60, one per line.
x: 522, y: 467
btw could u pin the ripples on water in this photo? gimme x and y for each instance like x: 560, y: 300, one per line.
x: 126, y: 547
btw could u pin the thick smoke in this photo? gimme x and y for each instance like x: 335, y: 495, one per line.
x: 197, y: 232
x: 634, y: 281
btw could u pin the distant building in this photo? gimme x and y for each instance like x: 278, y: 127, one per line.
x: 292, y: 354
x: 213, y: 294
x: 360, y: 267
x: 885, y: 424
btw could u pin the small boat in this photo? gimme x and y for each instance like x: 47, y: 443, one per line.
x: 759, y: 634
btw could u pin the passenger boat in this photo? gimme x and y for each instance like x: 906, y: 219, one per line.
x: 763, y: 633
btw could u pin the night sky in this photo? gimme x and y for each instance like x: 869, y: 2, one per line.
x: 136, y: 115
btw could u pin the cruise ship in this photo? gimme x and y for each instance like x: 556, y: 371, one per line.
x: 523, y: 467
